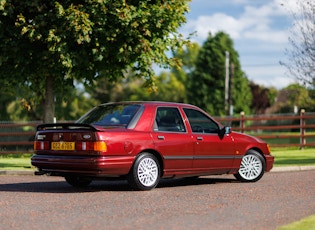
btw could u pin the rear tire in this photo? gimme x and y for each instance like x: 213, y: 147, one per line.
x: 77, y: 181
x: 145, y: 172
x: 252, y: 167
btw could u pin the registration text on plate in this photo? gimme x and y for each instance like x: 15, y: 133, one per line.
x: 62, y: 145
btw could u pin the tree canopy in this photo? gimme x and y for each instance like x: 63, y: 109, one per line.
x: 296, y: 96
x: 207, y: 81
x: 263, y: 98
x: 301, y: 53
x: 45, y: 45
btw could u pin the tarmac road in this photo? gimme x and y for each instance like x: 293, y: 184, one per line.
x: 216, y: 202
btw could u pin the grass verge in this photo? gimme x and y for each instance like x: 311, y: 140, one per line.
x: 16, y: 162
x: 307, y: 223
x: 293, y: 156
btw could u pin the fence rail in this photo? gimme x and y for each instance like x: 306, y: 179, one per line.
x: 277, y: 130
x: 17, y: 137
x: 293, y: 130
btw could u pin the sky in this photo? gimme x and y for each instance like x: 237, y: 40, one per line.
x: 259, y: 28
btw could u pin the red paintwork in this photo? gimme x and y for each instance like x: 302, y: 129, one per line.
x: 180, y: 154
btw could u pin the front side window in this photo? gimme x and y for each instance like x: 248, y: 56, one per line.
x: 200, y: 123
x: 168, y: 119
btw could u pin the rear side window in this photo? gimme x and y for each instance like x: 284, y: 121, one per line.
x: 200, y: 123
x: 168, y: 119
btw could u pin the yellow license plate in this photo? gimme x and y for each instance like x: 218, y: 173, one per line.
x: 62, y: 145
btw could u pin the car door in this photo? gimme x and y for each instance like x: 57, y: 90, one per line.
x: 212, y: 152
x: 172, y: 140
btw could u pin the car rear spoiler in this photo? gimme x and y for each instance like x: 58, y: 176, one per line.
x: 52, y: 126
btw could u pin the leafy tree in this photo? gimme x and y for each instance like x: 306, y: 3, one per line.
x: 298, y: 96
x: 241, y: 93
x: 46, y: 45
x: 187, y: 56
x: 77, y: 103
x: 70, y: 107
x: 127, y: 89
x: 206, y: 85
x: 301, y: 54
x: 18, y: 102
x: 262, y: 99
x: 171, y: 86
x: 104, y: 90
x: 7, y: 95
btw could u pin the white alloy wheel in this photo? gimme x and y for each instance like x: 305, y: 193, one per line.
x: 147, y: 172
x: 252, y: 167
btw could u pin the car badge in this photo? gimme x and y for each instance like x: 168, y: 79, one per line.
x: 41, y: 137
x: 86, y: 136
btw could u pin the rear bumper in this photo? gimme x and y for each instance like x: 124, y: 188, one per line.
x: 83, y: 165
x: 269, y: 162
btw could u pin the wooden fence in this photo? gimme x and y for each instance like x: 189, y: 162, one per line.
x: 279, y: 130
x: 17, y: 137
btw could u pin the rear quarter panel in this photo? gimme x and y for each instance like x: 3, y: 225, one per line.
x: 128, y: 142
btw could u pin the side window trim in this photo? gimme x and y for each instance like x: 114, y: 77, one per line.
x: 169, y: 119
x: 200, y: 123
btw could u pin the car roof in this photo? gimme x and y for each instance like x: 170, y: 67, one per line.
x: 156, y: 103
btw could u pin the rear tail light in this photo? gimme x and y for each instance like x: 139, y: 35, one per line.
x: 97, y: 146
x: 100, y: 146
x: 41, y: 145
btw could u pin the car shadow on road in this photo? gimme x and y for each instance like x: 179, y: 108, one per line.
x: 63, y: 187
x: 192, y: 181
x: 97, y: 186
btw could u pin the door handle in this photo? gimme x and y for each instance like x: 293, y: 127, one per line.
x: 161, y: 137
x: 199, y: 138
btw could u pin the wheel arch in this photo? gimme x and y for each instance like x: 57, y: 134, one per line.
x: 157, y: 155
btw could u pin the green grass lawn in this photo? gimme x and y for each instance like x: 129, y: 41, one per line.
x: 307, y: 223
x: 293, y: 156
x: 16, y: 162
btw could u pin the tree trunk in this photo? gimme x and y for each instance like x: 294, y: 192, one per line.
x: 49, y: 103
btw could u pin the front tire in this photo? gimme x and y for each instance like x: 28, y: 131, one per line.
x: 145, y: 172
x: 252, y: 167
x: 77, y: 181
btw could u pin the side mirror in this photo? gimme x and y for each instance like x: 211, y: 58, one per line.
x: 227, y: 130
x: 223, y: 131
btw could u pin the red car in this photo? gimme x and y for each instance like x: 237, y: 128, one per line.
x: 146, y: 141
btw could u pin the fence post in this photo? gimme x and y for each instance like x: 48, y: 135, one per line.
x: 302, y: 129
x: 242, y: 122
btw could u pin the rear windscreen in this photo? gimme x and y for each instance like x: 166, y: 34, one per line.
x: 110, y: 115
